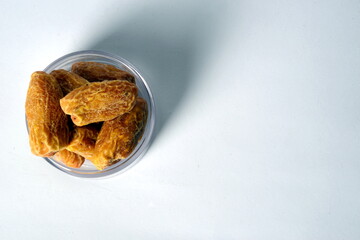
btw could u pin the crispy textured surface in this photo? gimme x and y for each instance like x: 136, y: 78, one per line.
x: 99, y: 101
x: 68, y: 81
x: 94, y: 71
x: 83, y: 141
x: 47, y: 123
x: 118, y: 137
x: 70, y: 159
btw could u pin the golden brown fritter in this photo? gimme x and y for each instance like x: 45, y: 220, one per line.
x: 83, y: 141
x: 70, y: 159
x: 68, y: 81
x: 99, y: 101
x: 118, y: 137
x: 47, y: 123
x: 94, y: 71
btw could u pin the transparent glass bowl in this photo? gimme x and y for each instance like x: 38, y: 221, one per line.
x: 88, y: 170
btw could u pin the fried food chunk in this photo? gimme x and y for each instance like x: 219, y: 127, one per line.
x: 70, y: 159
x: 94, y: 71
x: 99, y: 101
x: 68, y: 81
x: 118, y: 137
x: 83, y: 141
x: 47, y: 123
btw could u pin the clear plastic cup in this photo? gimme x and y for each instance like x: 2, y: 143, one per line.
x: 88, y: 170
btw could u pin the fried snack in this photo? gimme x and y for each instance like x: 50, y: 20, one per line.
x: 118, y: 137
x: 47, y: 123
x: 83, y: 141
x: 94, y: 71
x: 70, y: 159
x: 99, y: 101
x: 68, y: 81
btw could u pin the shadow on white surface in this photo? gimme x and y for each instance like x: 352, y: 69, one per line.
x: 165, y: 41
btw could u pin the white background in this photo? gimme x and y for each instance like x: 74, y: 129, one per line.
x: 258, y: 131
